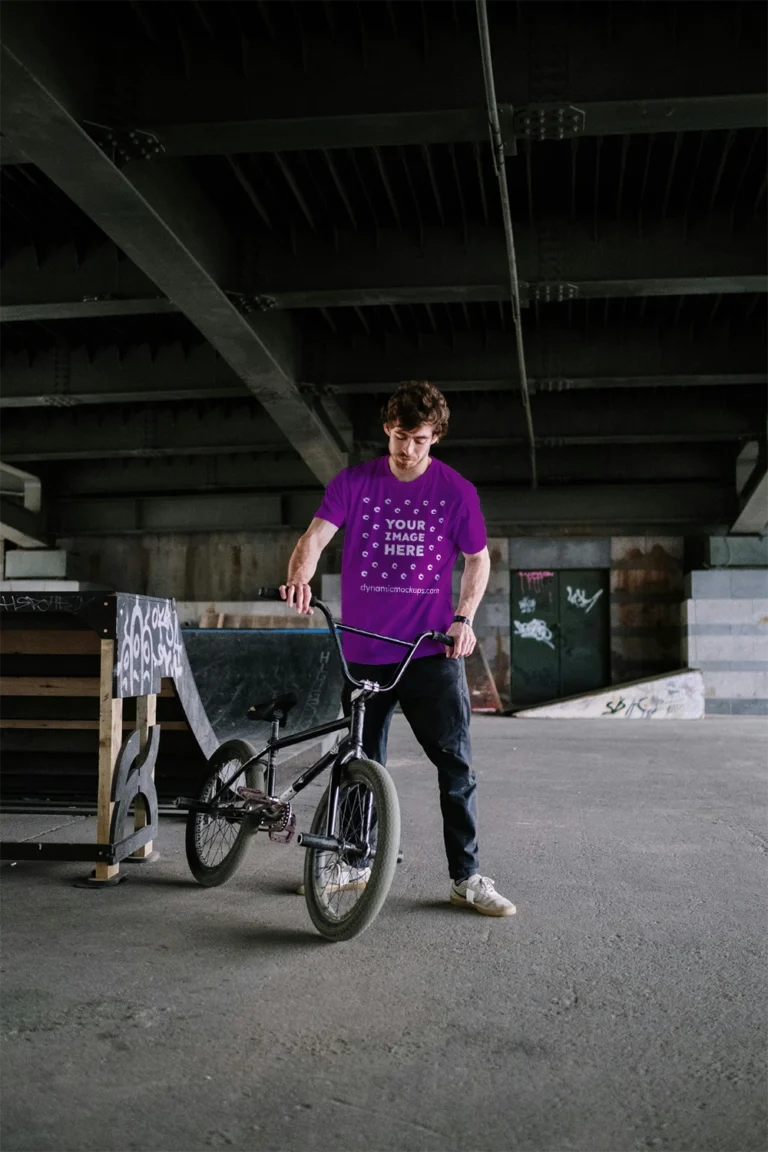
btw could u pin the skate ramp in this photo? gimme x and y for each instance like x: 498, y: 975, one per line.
x: 671, y: 696
x: 234, y: 668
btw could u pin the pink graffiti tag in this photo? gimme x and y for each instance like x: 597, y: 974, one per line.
x: 534, y: 581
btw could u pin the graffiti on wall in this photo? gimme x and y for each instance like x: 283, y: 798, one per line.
x: 672, y: 701
x: 148, y: 645
x: 578, y: 597
x: 676, y: 696
x: 535, y: 581
x: 527, y: 605
x: 534, y: 630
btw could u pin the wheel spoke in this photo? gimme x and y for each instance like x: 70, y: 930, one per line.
x: 215, y: 835
x: 334, y: 871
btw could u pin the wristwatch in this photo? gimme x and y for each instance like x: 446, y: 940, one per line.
x: 462, y: 620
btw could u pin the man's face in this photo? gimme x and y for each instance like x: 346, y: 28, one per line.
x: 409, y: 447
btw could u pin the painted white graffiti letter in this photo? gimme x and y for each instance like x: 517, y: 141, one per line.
x: 578, y: 598
x: 527, y: 605
x: 534, y: 630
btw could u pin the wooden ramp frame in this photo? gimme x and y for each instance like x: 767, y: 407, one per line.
x: 141, y: 655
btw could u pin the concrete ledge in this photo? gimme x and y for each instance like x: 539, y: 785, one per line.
x: 727, y: 584
x: 671, y: 696
x: 736, y: 707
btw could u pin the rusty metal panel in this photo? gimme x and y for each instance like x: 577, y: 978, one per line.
x: 646, y: 592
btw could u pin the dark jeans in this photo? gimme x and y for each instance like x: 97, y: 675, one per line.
x: 434, y: 697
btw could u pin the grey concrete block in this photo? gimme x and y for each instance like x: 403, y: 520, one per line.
x: 738, y: 551
x: 729, y: 684
x: 710, y: 585
x: 45, y: 586
x: 537, y: 553
x: 717, y: 707
x: 749, y: 583
x: 724, y: 611
x: 41, y: 564
x: 749, y: 707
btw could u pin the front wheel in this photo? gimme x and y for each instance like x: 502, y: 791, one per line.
x: 345, y: 892
x: 216, y: 843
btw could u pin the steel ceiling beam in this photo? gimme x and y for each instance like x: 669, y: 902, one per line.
x: 611, y: 509
x: 555, y: 261
x: 157, y: 216
x: 562, y: 384
x: 672, y: 416
x: 158, y: 430
x: 64, y: 377
x: 67, y: 273
x: 198, y: 103
x: 356, y: 271
x: 161, y: 430
x: 557, y: 357
x: 87, y: 309
x: 460, y: 125
x: 284, y: 472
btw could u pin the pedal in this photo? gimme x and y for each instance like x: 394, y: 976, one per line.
x: 286, y: 834
x: 254, y: 795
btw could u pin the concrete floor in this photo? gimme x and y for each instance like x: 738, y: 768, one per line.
x: 623, y: 1008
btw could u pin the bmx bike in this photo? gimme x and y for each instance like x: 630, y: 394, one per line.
x: 353, y: 843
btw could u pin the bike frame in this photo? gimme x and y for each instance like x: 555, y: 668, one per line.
x: 351, y: 748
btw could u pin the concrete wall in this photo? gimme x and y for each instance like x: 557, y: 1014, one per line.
x: 204, y: 566
x: 223, y: 568
x: 725, y: 625
x: 646, y: 592
x: 492, y: 619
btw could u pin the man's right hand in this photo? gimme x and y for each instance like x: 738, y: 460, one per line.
x: 298, y: 596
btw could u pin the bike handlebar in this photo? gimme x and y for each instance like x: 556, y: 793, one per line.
x: 269, y: 594
x: 273, y: 594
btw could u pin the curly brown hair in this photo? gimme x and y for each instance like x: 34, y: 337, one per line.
x: 417, y: 402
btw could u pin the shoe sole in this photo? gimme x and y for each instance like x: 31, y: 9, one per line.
x: 459, y: 902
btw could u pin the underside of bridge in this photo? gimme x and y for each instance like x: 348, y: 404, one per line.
x: 230, y: 229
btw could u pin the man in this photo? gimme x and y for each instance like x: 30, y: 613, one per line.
x: 407, y: 516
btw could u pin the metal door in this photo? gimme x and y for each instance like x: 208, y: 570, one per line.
x: 560, y: 634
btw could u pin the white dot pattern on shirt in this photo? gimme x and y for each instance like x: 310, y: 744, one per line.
x: 428, y: 573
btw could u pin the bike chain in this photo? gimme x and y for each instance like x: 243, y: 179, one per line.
x: 282, y: 822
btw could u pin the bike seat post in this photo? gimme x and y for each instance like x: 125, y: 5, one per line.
x: 275, y: 736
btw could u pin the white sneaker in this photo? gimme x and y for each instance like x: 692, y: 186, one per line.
x: 479, y: 893
x: 348, y: 879
x: 344, y: 879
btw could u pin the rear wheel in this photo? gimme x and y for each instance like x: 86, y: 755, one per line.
x: 216, y: 844
x: 344, y: 890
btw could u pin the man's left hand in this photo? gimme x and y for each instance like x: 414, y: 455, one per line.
x: 464, y: 640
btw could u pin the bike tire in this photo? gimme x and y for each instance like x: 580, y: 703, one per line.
x: 202, y: 830
x: 376, y: 778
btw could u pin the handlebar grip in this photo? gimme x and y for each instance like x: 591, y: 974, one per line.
x: 268, y: 594
x: 443, y: 639
x: 273, y: 594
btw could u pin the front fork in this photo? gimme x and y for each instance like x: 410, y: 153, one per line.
x: 334, y: 786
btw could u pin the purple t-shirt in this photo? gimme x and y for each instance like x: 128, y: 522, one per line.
x: 401, y: 542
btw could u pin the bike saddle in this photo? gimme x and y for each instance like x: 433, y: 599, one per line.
x: 276, y: 708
